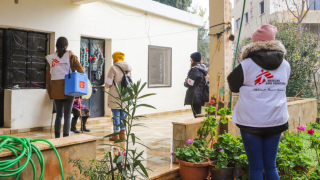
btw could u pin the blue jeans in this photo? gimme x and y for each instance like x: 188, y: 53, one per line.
x: 261, y: 151
x: 117, y: 116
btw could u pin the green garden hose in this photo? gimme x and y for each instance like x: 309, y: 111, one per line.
x: 23, y: 147
x: 235, y: 54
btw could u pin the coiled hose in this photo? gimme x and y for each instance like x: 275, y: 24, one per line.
x: 24, y: 148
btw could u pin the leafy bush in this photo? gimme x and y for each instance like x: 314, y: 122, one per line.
x: 189, y: 154
x: 232, y: 148
x: 302, y: 54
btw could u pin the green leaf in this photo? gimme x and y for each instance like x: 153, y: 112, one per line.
x: 133, y: 138
x: 145, y: 105
x: 143, y: 169
x: 147, y: 95
x: 113, y: 134
x: 120, y: 159
x: 119, y: 141
x: 144, y: 145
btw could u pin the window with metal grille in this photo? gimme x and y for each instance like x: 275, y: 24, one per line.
x: 159, y: 66
x: 24, y: 62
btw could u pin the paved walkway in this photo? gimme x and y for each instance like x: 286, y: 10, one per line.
x: 158, y: 137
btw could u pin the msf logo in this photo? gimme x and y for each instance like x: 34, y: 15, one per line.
x: 262, y: 78
x: 54, y: 61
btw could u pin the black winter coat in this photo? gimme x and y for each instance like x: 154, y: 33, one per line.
x: 195, y: 92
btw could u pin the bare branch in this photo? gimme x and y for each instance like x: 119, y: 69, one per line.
x: 308, y: 8
x: 295, y: 4
x: 290, y: 9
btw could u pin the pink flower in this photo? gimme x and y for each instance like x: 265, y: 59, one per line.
x: 222, y: 150
x: 119, y: 153
x: 301, y: 128
x: 122, y: 164
x: 171, y: 153
x: 189, y: 141
x: 124, y: 154
x: 310, y: 131
x: 211, y: 101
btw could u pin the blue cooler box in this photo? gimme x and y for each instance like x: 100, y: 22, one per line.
x: 76, y: 85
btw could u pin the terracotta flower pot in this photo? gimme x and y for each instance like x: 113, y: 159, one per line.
x: 192, y: 171
x: 221, y: 173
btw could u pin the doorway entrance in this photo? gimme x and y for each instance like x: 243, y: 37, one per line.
x: 92, y: 58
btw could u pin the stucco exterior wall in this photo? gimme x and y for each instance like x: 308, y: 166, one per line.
x: 274, y: 10
x: 125, y: 29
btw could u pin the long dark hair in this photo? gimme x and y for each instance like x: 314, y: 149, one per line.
x: 61, y: 45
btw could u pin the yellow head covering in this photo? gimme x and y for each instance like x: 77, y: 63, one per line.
x: 118, y: 56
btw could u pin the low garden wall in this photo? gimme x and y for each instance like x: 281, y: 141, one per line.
x: 301, y: 111
x: 80, y: 146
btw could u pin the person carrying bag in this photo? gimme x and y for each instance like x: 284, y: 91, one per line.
x: 61, y: 63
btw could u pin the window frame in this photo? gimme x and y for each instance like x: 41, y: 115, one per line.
x: 8, y: 61
x: 247, y: 17
x: 170, y: 84
x: 264, y: 9
x: 238, y: 25
x: 251, y: 9
x: 314, y: 6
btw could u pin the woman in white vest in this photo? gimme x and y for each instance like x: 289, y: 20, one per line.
x: 261, y: 112
x: 60, y: 64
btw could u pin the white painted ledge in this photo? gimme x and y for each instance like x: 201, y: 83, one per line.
x: 82, y: 1
x: 159, y: 9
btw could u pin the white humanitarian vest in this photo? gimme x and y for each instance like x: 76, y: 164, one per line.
x: 59, y: 67
x: 262, y: 99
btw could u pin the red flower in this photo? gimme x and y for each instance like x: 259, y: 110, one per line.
x: 90, y: 58
x: 87, y: 49
x: 94, y: 58
x: 310, y: 131
x: 211, y: 101
x: 101, y: 51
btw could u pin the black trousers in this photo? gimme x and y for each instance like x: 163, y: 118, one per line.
x: 196, y: 109
x: 64, y: 107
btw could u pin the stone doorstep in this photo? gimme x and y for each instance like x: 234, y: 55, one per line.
x: 167, y: 175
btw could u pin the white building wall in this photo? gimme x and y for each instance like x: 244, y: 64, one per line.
x: 124, y: 29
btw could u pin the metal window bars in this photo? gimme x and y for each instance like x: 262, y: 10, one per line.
x: 24, y: 62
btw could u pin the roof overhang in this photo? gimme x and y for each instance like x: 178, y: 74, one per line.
x: 155, y: 8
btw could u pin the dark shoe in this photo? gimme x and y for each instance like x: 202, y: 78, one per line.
x: 73, y: 125
x: 84, y: 119
x: 57, y: 135
x: 65, y: 135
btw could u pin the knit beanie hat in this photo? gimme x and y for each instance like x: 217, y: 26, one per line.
x: 266, y: 32
x: 196, y: 57
x: 118, y: 56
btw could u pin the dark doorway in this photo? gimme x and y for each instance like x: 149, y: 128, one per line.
x: 92, y: 58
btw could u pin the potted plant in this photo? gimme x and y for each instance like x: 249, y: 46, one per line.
x: 192, y: 162
x: 229, y: 158
x: 194, y: 159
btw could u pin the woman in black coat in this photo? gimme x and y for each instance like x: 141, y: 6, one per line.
x: 195, y: 83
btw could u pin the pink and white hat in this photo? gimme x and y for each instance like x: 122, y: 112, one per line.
x: 266, y: 32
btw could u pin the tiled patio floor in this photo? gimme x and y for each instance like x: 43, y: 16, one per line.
x: 158, y: 137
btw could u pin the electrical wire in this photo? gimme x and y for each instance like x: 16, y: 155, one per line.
x: 20, y: 148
